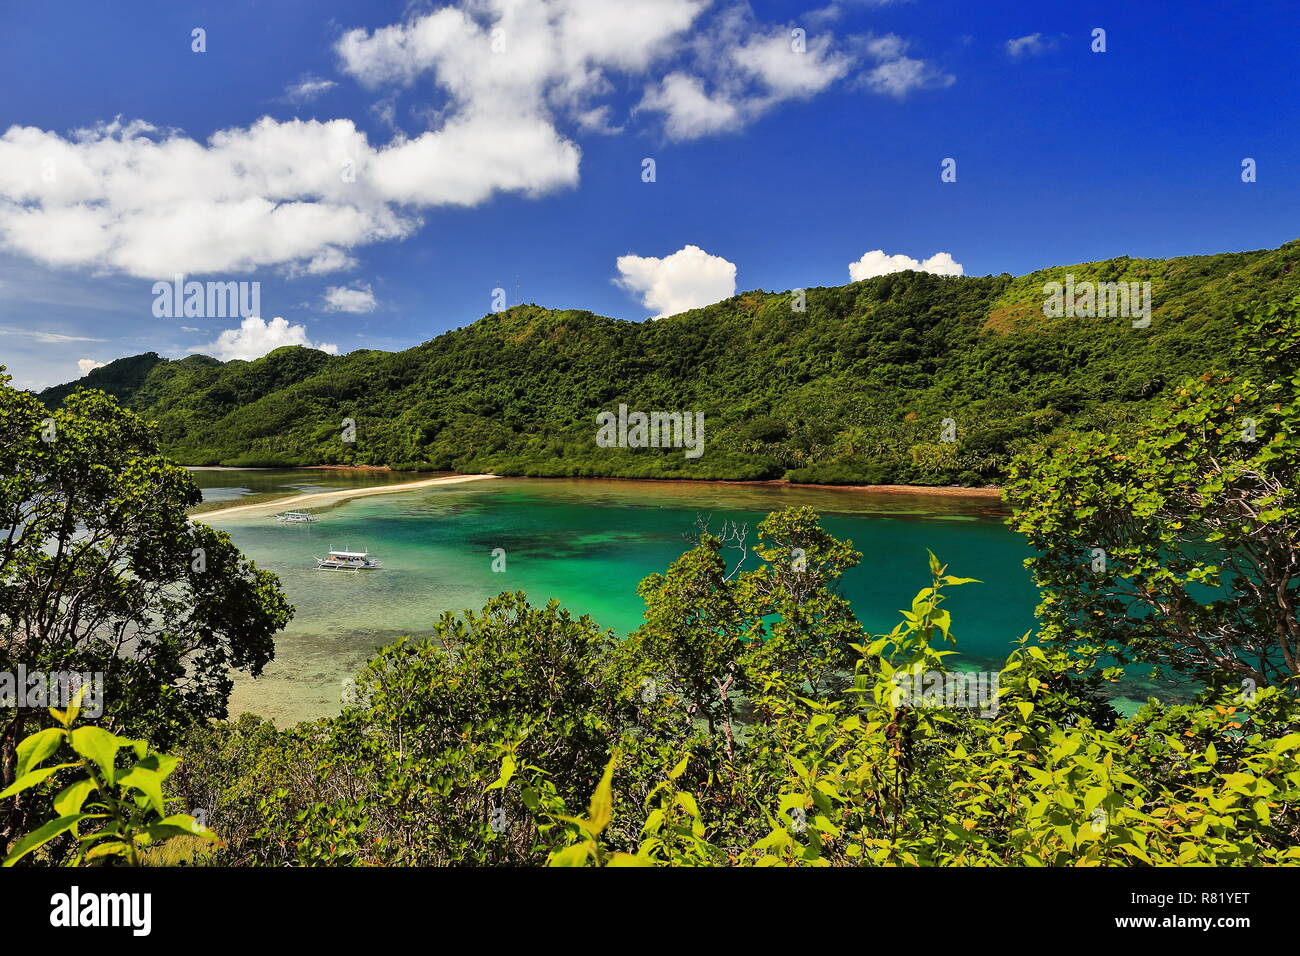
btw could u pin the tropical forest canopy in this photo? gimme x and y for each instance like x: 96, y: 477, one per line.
x: 854, y: 389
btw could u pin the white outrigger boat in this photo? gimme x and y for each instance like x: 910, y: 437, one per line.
x: 296, y: 517
x: 348, y: 561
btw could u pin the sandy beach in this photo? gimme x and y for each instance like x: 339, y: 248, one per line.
x: 322, y: 498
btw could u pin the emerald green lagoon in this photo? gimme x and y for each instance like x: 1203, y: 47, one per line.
x: 587, y: 543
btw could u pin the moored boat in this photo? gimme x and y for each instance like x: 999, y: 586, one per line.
x: 348, y: 561
x: 296, y: 517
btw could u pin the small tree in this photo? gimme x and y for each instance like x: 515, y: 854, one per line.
x: 103, y: 573
x: 433, y: 718
x: 714, y: 634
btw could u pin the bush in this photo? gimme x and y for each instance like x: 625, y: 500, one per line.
x: 752, y: 722
x: 844, y: 473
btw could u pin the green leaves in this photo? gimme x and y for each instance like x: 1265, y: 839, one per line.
x: 100, y: 746
x: 131, y: 800
x: 1193, y: 514
x: 599, y: 814
x: 34, y: 749
x: 177, y: 825
x: 31, y: 779
x: 507, y: 771
x: 73, y: 797
x: 602, y: 802
x: 148, y: 782
x: 41, y: 836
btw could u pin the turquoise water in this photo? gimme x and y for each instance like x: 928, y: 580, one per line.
x: 587, y: 543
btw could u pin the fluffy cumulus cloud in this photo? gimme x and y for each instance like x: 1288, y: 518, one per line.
x: 687, y: 279
x: 513, y: 71
x: 485, y: 51
x: 877, y: 263
x: 129, y: 197
x: 689, y: 111
x: 357, y: 299
x: 739, y: 70
x: 126, y: 197
x: 328, y: 260
x: 255, y: 337
x: 88, y: 365
x: 500, y: 82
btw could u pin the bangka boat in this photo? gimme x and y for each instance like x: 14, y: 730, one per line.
x: 348, y: 561
x: 295, y: 517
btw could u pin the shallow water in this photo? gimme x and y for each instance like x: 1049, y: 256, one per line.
x: 587, y: 543
x: 230, y: 484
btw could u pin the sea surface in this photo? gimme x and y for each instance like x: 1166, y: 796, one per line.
x: 587, y: 543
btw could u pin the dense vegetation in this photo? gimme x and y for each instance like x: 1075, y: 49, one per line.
x: 524, y: 736
x: 102, y: 572
x: 854, y: 389
x: 750, y: 720
x: 1178, y: 543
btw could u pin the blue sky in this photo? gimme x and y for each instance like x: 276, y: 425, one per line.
x: 475, y: 167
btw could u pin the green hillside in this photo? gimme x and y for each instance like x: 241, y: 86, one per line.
x: 852, y: 390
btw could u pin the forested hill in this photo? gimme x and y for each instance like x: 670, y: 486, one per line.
x: 855, y: 388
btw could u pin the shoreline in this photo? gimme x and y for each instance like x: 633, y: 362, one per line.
x: 321, y: 498
x: 935, y: 491
x: 955, y: 491
x: 945, y: 491
x: 324, y: 498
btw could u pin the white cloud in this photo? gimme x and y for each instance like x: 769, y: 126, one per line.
x: 301, y: 195
x: 744, y: 70
x: 328, y: 260
x: 307, y: 89
x: 902, y: 76
x: 510, y: 72
x: 877, y: 263
x: 554, y: 57
x: 544, y: 49
x: 741, y: 70
x: 88, y: 365
x: 255, y: 337
x: 835, y: 9
x: 129, y: 198
x: 887, y: 46
x: 597, y: 120
x: 896, y: 74
x: 771, y: 59
x: 125, y: 197
x: 690, y: 112
x: 687, y: 279
x: 344, y: 299
x: 49, y: 338
x: 1034, y: 44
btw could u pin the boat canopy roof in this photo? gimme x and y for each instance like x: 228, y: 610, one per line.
x: 349, y: 554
